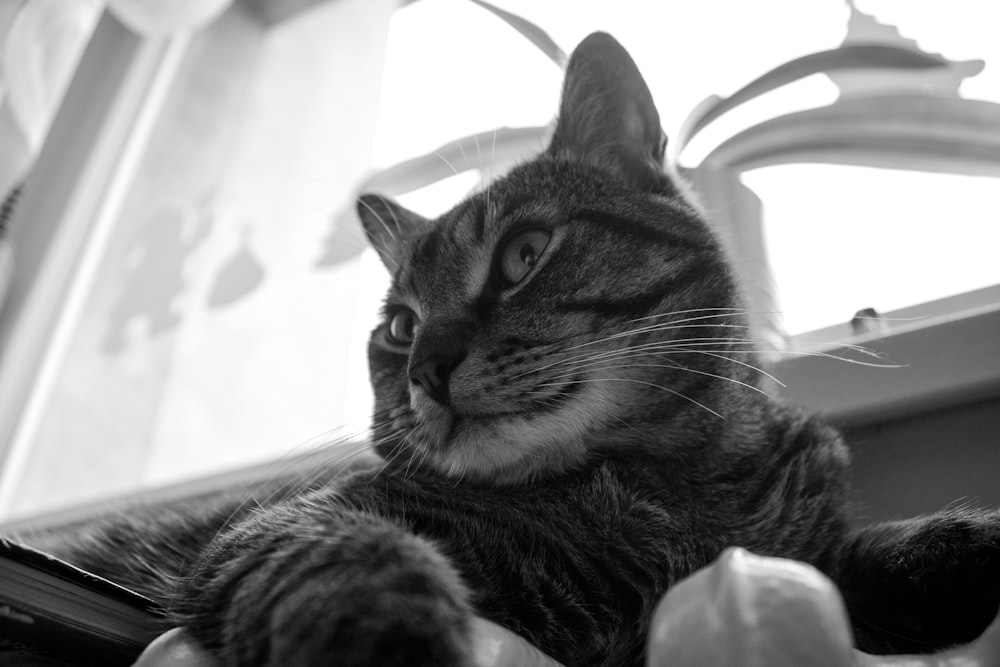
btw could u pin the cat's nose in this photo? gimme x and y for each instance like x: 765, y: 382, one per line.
x: 440, y: 346
x: 432, y: 374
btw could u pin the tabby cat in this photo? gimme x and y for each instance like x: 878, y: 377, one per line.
x: 569, y: 413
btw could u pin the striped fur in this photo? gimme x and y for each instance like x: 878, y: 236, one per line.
x: 559, y: 448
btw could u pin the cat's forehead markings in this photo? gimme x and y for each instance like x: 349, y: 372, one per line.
x: 476, y: 247
x: 528, y: 213
x: 441, y: 262
x: 487, y: 222
x: 467, y: 227
x: 481, y: 213
x: 403, y: 289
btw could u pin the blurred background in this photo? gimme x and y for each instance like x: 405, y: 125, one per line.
x: 186, y: 293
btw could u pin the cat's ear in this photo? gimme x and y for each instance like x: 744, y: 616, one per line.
x: 389, y: 226
x: 607, y: 116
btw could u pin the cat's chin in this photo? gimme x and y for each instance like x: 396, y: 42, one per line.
x: 509, y: 449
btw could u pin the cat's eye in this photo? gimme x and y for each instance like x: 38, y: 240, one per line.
x: 521, y: 253
x: 402, y: 327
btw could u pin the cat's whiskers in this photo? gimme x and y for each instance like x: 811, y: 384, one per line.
x: 460, y: 144
x: 802, y: 353
x: 388, y: 230
x: 301, y: 482
x: 662, y: 327
x: 722, y: 351
x: 359, y: 443
x: 592, y: 355
x: 720, y: 355
x: 445, y: 160
x: 479, y: 152
x: 402, y: 434
x: 726, y: 346
x: 679, y: 367
x: 421, y: 451
x: 733, y: 311
x: 415, y: 461
x: 721, y: 312
x: 637, y: 381
x: 388, y: 461
x: 489, y: 182
x: 344, y: 449
x: 165, y: 579
x: 679, y: 346
x: 345, y: 457
x: 729, y: 311
x: 286, y: 464
x: 661, y: 350
x: 612, y: 359
x: 830, y: 355
x: 420, y: 460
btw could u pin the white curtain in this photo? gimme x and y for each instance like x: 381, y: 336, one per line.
x: 42, y: 41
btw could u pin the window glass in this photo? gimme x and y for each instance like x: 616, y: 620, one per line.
x: 228, y: 319
x: 224, y: 323
x: 840, y: 239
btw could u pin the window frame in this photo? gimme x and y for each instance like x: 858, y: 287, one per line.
x: 63, y: 218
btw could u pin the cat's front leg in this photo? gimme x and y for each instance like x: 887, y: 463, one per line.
x: 319, y: 585
x: 923, y: 584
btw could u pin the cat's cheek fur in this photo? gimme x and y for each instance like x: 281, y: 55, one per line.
x: 434, y: 422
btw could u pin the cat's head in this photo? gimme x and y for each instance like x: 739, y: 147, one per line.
x: 577, y: 304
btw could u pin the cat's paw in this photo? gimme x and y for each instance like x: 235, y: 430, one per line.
x: 367, y: 593
x: 392, y: 600
x: 924, y: 584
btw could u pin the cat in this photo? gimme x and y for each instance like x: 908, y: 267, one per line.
x: 571, y: 418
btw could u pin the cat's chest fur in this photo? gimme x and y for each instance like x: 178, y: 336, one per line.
x: 602, y: 543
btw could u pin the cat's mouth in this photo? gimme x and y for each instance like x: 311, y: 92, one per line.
x: 441, y: 425
x: 463, y: 410
x: 508, y: 443
x: 461, y: 414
